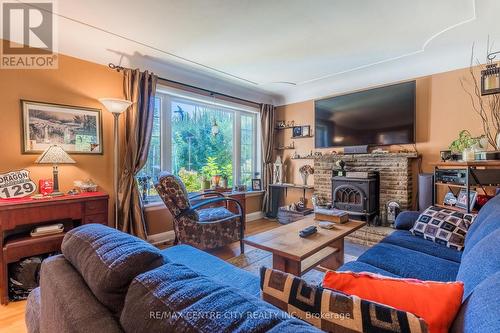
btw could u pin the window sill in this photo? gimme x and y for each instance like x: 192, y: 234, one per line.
x: 253, y: 193
x: 157, y: 205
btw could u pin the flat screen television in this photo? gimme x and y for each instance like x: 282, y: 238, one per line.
x: 375, y: 117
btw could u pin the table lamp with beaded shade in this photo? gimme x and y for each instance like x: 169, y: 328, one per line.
x: 55, y: 155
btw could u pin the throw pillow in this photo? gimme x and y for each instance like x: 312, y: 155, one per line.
x: 108, y: 260
x: 436, y: 302
x: 333, y: 311
x: 443, y: 226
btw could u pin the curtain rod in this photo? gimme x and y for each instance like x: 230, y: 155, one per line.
x: 212, y: 93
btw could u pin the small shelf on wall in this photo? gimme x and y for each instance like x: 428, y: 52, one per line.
x: 288, y: 127
x: 302, y: 137
x: 302, y: 158
x: 284, y: 148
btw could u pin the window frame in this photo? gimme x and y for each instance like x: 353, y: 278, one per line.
x: 167, y: 95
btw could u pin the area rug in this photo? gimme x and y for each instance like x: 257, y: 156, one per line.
x: 252, y: 260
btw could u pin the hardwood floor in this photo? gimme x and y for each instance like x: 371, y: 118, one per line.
x: 12, y: 315
x: 254, y: 227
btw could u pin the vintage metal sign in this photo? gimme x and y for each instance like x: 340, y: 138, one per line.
x: 16, y: 184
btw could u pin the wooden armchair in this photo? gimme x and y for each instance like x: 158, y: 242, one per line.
x: 204, y: 228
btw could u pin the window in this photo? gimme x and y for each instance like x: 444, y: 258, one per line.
x: 184, y: 141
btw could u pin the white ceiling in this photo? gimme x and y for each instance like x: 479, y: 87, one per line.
x: 249, y: 48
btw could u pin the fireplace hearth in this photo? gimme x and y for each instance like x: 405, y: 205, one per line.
x: 358, y: 196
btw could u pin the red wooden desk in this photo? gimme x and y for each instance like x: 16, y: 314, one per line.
x: 26, y: 213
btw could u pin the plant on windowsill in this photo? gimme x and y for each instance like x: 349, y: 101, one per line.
x: 209, y: 170
x: 226, y: 172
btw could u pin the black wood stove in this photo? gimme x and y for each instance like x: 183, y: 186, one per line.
x: 358, y: 196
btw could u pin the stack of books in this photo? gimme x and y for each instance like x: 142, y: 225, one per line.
x: 332, y: 215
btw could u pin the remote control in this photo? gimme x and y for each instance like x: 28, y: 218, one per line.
x: 308, y: 231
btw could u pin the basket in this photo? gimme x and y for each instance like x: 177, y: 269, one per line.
x: 286, y: 216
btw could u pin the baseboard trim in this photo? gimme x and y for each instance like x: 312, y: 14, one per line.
x: 162, y: 237
x: 254, y: 216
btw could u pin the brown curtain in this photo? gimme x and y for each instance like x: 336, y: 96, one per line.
x: 140, y: 88
x: 267, y: 124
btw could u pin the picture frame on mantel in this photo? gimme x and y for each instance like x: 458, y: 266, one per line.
x: 77, y: 129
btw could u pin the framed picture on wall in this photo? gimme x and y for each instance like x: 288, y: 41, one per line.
x: 306, y: 130
x: 296, y: 131
x: 78, y: 130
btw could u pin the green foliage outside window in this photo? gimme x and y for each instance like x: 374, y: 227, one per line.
x: 196, y: 153
x: 191, y: 179
x: 194, y: 148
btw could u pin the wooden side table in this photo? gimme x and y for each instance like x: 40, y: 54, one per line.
x: 19, y: 216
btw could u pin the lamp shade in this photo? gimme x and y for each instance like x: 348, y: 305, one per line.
x: 115, y: 105
x: 54, y: 155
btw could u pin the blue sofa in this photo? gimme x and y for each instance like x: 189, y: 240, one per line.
x: 190, y: 279
x: 402, y: 254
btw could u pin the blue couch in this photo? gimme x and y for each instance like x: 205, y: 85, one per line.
x: 402, y: 254
x: 190, y: 279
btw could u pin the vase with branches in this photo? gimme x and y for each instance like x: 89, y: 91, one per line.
x: 487, y: 107
x: 305, y: 171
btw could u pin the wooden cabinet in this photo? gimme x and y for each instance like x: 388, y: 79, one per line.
x: 19, y: 216
x: 234, y: 207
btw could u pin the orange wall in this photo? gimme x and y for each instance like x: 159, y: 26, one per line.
x: 75, y: 82
x: 443, y: 109
x: 80, y: 83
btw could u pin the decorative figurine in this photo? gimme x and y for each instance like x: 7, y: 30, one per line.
x: 341, y: 165
x: 144, y: 185
x: 278, y: 171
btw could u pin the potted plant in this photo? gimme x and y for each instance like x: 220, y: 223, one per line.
x: 208, y: 171
x: 205, y: 181
x: 225, y: 173
x: 464, y: 145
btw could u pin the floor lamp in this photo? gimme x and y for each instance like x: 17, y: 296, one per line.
x: 116, y: 106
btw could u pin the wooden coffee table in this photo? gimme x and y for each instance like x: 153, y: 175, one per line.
x: 296, y: 255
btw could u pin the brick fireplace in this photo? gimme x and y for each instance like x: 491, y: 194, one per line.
x: 396, y: 182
